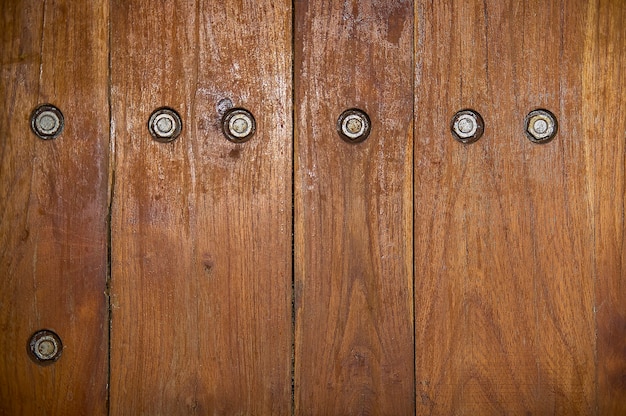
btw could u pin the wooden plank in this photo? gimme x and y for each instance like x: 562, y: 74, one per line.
x: 604, y: 125
x: 504, y: 273
x: 353, y: 209
x: 201, y: 229
x: 53, y: 206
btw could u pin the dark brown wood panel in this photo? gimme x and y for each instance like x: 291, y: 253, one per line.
x: 504, y: 231
x: 353, y: 209
x: 201, y: 234
x: 53, y: 206
x: 604, y: 127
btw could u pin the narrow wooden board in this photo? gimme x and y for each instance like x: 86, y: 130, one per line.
x: 503, y: 228
x: 53, y: 206
x: 604, y: 126
x: 353, y: 209
x: 201, y: 233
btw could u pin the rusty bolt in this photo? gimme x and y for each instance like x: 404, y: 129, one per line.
x: 45, y: 346
x: 47, y: 121
x: 541, y: 126
x: 467, y: 126
x: 353, y: 125
x: 238, y: 125
x: 165, y: 124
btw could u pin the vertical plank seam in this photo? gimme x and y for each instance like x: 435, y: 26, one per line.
x: 292, y: 369
x: 413, y: 216
x: 112, y: 164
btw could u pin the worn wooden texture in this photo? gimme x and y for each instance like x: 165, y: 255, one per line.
x: 53, y: 206
x: 353, y: 209
x: 506, y: 231
x: 604, y: 128
x: 201, y: 233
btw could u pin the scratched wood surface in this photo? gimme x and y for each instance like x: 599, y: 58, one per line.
x: 53, y: 206
x: 604, y: 126
x: 201, y: 229
x: 429, y: 277
x: 353, y: 209
x: 518, y: 244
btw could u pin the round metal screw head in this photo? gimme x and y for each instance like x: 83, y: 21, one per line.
x: 165, y: 124
x: 45, y: 346
x: 47, y: 121
x: 353, y: 125
x: 467, y: 126
x: 238, y: 125
x: 541, y: 126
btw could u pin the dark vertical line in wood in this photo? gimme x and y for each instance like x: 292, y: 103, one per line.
x: 293, y: 209
x: 413, y: 216
x: 111, y: 190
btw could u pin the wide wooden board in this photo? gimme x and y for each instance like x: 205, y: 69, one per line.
x: 510, y: 263
x: 54, y: 206
x: 353, y: 209
x: 201, y: 230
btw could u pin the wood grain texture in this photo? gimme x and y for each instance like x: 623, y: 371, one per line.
x: 201, y: 234
x: 504, y: 228
x: 53, y: 206
x: 604, y: 126
x: 353, y: 209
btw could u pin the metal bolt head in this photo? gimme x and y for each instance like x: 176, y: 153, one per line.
x: 354, y: 125
x: 45, y: 346
x: 47, y: 121
x: 467, y: 126
x: 238, y: 125
x: 165, y: 125
x: 541, y: 126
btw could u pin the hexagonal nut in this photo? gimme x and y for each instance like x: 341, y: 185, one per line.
x: 165, y: 125
x: 238, y: 125
x: 467, y: 126
x: 47, y: 121
x: 45, y: 347
x: 541, y: 126
x: 354, y: 125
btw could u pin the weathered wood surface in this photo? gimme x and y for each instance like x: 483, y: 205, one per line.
x: 353, y: 209
x: 53, y: 206
x: 603, y: 112
x: 201, y: 228
x: 429, y: 277
x: 517, y: 245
